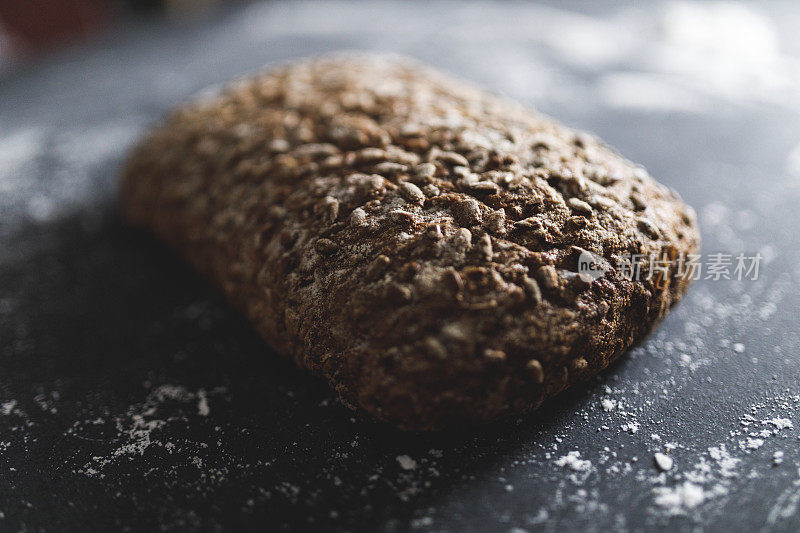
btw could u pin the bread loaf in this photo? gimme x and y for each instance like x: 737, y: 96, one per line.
x: 412, y: 239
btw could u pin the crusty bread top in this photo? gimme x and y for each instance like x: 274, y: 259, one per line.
x: 410, y: 237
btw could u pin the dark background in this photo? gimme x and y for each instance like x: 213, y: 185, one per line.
x: 132, y: 397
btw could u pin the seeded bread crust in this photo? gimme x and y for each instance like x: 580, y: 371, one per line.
x: 411, y: 238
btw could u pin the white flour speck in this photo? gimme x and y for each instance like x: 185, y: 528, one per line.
x: 663, y: 462
x: 406, y: 462
x: 202, y: 403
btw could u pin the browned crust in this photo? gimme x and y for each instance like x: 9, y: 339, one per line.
x: 410, y: 238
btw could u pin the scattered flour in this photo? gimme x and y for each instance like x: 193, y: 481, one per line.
x: 630, y: 427
x: 139, y: 428
x: 7, y: 407
x: 608, y: 404
x: 681, y: 498
x: 574, y: 462
x: 580, y: 469
x: 780, y: 423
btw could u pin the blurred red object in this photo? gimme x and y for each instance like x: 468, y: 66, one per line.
x: 35, y: 25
